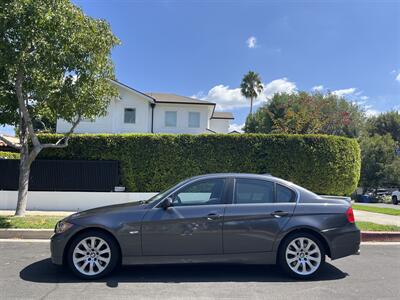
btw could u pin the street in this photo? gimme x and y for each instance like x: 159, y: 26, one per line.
x: 27, y: 273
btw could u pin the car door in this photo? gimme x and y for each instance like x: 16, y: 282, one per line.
x: 191, y: 226
x: 259, y: 211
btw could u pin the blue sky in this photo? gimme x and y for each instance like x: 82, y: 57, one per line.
x: 203, y: 48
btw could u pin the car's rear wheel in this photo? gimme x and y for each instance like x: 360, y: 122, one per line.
x: 301, y: 255
x: 395, y: 201
x: 92, y: 255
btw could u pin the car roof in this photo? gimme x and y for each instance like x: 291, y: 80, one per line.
x: 241, y: 175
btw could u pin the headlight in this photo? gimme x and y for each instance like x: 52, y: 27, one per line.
x: 62, y: 226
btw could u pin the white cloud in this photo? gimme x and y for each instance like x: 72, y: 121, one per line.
x: 396, y: 72
x: 282, y: 85
x: 317, y: 88
x: 344, y: 92
x: 236, y: 127
x: 371, y: 112
x: 230, y: 98
x: 225, y: 97
x: 251, y: 42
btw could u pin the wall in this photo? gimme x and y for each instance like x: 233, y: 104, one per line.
x: 68, y: 201
x: 182, y: 118
x: 220, y: 125
x: 113, y: 122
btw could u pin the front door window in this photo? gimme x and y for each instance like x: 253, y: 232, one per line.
x: 205, y: 192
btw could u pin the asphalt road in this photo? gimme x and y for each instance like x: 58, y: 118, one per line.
x: 27, y: 273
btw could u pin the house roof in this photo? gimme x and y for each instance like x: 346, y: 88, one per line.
x: 222, y: 115
x: 173, y: 98
x: 5, y: 147
x: 12, y: 139
x: 151, y: 99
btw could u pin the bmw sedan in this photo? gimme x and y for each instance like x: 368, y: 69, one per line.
x: 238, y: 218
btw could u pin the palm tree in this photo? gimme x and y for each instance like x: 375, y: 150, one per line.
x: 251, y: 87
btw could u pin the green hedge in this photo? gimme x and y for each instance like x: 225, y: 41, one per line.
x: 9, y: 155
x: 153, y: 162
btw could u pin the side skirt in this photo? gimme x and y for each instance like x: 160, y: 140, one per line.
x: 268, y: 258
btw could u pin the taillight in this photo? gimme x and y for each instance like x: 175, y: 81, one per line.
x: 350, y: 215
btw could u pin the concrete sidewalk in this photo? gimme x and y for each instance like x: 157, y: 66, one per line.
x: 38, y: 213
x: 382, y: 205
x: 366, y: 216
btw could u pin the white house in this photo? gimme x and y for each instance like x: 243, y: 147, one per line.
x: 134, y: 111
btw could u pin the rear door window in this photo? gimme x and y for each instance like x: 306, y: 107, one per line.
x: 253, y: 191
x: 284, y: 194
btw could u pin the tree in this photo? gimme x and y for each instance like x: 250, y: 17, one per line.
x: 305, y: 113
x: 54, y: 61
x: 379, y: 166
x: 388, y: 122
x: 251, y: 87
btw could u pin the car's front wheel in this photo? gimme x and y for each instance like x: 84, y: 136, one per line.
x: 395, y: 201
x: 301, y: 255
x: 92, y: 254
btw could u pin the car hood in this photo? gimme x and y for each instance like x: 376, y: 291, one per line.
x: 109, y: 209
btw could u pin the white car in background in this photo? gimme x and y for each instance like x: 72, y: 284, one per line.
x: 396, y: 197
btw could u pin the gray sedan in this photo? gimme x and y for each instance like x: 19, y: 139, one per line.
x: 240, y: 218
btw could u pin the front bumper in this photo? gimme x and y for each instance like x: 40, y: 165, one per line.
x: 58, y: 244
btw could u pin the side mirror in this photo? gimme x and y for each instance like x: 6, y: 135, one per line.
x: 166, y: 203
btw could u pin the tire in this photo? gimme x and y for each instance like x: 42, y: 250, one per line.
x: 395, y: 201
x: 88, y: 262
x: 293, y: 261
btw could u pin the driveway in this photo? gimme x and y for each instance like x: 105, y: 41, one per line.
x: 27, y: 273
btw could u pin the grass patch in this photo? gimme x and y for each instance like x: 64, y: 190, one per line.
x: 32, y: 222
x: 48, y: 222
x: 380, y: 210
x: 369, y: 226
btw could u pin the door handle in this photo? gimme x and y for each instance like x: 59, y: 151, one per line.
x: 279, y: 213
x: 213, y: 216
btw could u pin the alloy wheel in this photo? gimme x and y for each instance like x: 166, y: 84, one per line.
x: 91, y: 256
x: 303, y: 256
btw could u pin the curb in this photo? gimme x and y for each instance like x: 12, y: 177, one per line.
x: 380, y: 236
x: 26, y: 233
x: 366, y: 236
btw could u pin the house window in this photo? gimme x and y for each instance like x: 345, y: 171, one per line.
x: 194, y: 119
x: 170, y: 119
x: 130, y: 115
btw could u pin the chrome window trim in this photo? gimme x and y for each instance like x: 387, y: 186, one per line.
x: 234, y: 178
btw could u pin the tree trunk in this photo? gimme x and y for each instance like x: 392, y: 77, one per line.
x: 24, y: 170
x: 251, y: 106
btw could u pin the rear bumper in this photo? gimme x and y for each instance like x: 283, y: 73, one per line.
x: 344, y: 241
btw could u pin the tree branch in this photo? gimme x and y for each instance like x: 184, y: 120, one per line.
x: 63, y: 142
x: 9, y: 143
x: 24, y: 110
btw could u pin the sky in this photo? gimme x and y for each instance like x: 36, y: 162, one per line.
x: 203, y: 48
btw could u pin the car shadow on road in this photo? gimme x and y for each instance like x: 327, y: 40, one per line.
x: 45, y: 271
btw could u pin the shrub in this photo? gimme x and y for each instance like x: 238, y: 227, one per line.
x: 9, y: 155
x: 152, y: 162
